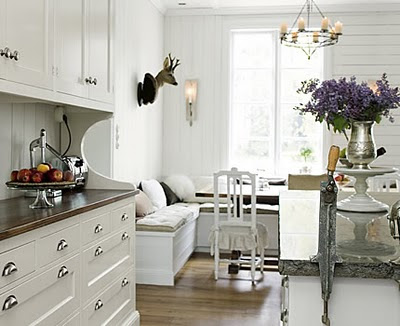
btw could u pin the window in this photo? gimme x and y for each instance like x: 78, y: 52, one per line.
x: 265, y: 132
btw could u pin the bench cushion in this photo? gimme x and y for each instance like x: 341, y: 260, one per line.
x: 169, y: 218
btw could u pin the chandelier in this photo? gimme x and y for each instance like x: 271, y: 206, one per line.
x: 307, y: 38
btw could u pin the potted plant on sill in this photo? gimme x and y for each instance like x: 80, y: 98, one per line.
x: 345, y: 104
x: 305, y: 153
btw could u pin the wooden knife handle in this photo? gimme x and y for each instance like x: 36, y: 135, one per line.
x: 333, y: 158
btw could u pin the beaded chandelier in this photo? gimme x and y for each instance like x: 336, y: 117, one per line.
x: 307, y: 38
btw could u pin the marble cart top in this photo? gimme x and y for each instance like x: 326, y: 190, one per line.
x: 363, y: 239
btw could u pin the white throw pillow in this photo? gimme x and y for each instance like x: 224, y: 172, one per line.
x: 182, y: 186
x: 155, y: 192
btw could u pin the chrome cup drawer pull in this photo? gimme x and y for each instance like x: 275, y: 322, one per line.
x: 98, y: 228
x: 125, y: 282
x: 125, y: 236
x: 62, y: 245
x: 98, y: 251
x: 10, y: 302
x: 9, y: 269
x: 62, y: 272
x: 124, y: 217
x: 98, y: 305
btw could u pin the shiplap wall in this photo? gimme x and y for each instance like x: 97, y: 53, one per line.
x: 19, y: 125
x: 370, y: 46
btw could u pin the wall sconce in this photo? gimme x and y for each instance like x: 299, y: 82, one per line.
x: 191, y: 97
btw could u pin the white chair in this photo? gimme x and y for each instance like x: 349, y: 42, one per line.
x: 234, y: 232
x: 383, y: 183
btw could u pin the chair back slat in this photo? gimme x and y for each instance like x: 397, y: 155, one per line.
x: 238, y: 184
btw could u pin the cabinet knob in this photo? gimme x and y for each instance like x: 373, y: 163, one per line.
x: 88, y: 80
x: 98, y: 305
x: 15, y: 55
x: 9, y: 269
x: 98, y: 251
x: 125, y: 236
x: 94, y: 82
x: 124, y: 282
x: 62, y: 272
x: 10, y: 302
x: 98, y: 228
x: 62, y: 245
x: 6, y: 52
x: 124, y: 217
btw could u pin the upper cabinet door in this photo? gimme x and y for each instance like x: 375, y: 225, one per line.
x: 100, y: 72
x: 28, y: 36
x: 70, y: 49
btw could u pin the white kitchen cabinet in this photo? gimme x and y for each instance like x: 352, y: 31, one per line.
x: 70, y: 47
x: 83, y: 49
x: 27, y: 42
x: 78, y: 284
x: 46, y: 299
x: 99, y: 42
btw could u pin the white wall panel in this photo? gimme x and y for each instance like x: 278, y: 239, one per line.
x: 19, y: 125
x: 370, y: 46
x: 139, y: 48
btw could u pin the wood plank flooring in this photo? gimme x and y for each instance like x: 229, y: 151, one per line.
x: 197, y: 299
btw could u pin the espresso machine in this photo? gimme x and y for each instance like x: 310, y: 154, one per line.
x: 75, y: 164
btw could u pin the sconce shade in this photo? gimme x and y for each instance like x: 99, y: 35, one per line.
x: 191, y: 98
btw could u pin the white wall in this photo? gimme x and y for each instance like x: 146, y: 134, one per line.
x: 370, y: 46
x: 138, y: 48
x: 19, y: 125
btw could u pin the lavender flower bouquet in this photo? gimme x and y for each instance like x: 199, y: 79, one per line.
x: 339, y: 102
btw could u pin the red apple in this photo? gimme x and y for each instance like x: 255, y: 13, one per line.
x: 54, y: 175
x: 14, y: 175
x: 24, y: 175
x: 68, y: 176
x: 33, y: 170
x: 37, y: 177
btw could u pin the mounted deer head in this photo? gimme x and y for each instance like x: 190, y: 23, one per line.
x: 148, y: 90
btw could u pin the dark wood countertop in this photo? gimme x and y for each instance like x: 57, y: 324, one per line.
x: 16, y: 217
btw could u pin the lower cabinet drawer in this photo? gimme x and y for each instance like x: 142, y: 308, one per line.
x: 45, y: 300
x: 17, y: 263
x: 112, y: 305
x: 104, y: 261
x: 58, y: 244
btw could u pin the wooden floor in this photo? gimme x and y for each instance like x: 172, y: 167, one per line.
x: 197, y: 299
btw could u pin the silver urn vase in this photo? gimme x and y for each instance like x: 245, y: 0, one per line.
x: 361, y: 147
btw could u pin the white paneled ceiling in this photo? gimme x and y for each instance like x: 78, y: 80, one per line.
x: 216, y: 4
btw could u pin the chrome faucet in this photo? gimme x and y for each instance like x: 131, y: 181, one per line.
x: 42, y: 144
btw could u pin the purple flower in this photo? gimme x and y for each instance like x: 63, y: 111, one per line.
x: 339, y: 102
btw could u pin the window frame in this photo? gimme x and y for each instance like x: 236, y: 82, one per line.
x: 269, y: 25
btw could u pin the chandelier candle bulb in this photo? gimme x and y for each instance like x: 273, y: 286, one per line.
x: 324, y: 24
x: 284, y: 28
x: 294, y: 36
x: 333, y: 34
x: 315, y: 37
x: 338, y: 27
x: 301, y: 24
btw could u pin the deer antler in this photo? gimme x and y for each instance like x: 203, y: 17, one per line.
x: 176, y: 65
x: 171, y: 60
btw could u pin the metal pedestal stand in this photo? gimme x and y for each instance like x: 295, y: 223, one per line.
x: 41, y: 189
x: 41, y: 200
x: 361, y: 201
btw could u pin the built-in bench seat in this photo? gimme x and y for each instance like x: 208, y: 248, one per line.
x: 164, y: 242
x: 166, y: 239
